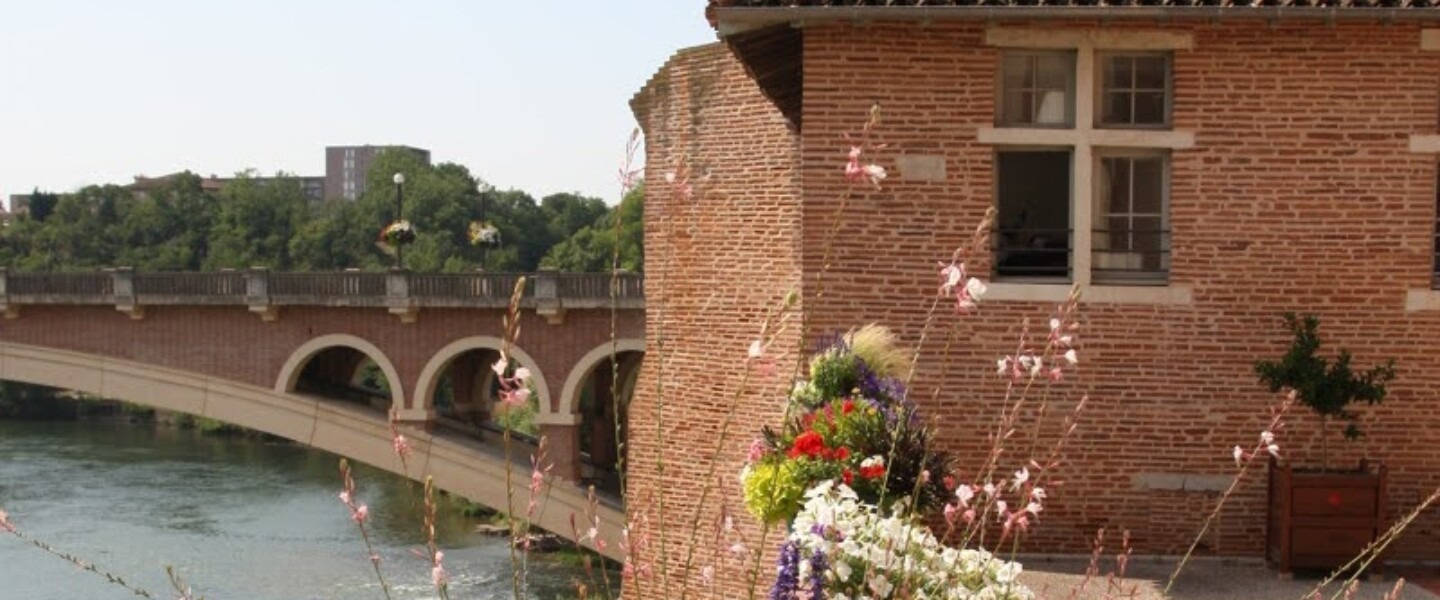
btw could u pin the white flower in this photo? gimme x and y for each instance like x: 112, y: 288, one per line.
x: 500, y: 366
x: 881, y: 586
x: 522, y: 374
x: 1071, y: 357
x: 1274, y: 450
x: 975, y: 288
x: 1021, y: 476
x: 964, y: 493
x: 1002, y: 365
x: 876, y: 173
x: 1267, y: 437
x: 1054, y: 324
x: 842, y: 571
x: 756, y: 349
x: 1239, y: 455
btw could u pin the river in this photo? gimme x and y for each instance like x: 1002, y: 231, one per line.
x: 239, y: 519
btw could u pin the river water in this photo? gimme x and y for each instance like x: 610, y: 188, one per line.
x: 239, y: 519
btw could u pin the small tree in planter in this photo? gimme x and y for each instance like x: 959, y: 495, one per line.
x: 1326, y: 388
x: 1322, y: 519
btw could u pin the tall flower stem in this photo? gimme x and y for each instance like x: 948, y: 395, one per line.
x: 6, y: 526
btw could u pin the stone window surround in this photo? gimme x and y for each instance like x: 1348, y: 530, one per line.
x: 1084, y: 140
x: 1425, y: 299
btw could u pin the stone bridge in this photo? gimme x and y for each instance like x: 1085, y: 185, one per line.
x: 323, y: 358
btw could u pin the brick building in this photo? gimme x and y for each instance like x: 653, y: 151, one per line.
x: 346, y: 167
x: 1195, y: 168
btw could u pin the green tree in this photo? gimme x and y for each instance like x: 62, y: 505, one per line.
x: 41, y: 205
x: 591, y: 248
x: 256, y: 221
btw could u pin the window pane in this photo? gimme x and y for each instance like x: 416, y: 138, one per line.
x: 1135, y: 90
x: 1033, y: 237
x: 1016, y: 72
x: 1118, y: 72
x: 1115, y: 108
x: 1116, y: 184
x: 1149, y: 185
x: 1150, y: 72
x: 1149, y: 108
x: 1037, y: 88
x: 1130, y: 244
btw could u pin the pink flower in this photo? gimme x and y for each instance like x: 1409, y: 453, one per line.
x: 402, y: 446
x: 5, y: 523
x: 707, y: 574
x: 757, y: 451
x: 345, y: 497
x: 854, y: 171
x: 360, y: 513
x: 950, y: 276
x: 437, y: 574
x: 737, y: 548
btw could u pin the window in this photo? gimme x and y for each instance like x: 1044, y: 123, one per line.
x: 1037, y: 89
x: 1033, y: 237
x: 1135, y: 90
x: 1131, y: 237
x: 1078, y: 201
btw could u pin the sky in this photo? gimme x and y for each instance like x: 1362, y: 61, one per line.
x: 528, y: 94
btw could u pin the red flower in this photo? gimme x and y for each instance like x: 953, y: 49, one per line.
x: 950, y: 483
x: 807, y: 444
x: 847, y: 407
x: 872, y: 472
x: 842, y: 453
x: 847, y: 476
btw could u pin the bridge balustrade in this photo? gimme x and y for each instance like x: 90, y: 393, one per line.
x: 548, y: 291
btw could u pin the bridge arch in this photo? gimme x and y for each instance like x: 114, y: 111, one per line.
x: 295, y: 365
x: 575, y: 381
x: 435, y: 369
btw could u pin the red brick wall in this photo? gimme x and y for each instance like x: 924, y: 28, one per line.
x: 231, y: 343
x: 1299, y: 195
x: 718, y: 261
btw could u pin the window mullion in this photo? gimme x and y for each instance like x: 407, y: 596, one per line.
x: 1082, y: 214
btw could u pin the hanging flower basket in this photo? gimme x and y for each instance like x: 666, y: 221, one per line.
x: 483, y: 233
x: 397, y: 233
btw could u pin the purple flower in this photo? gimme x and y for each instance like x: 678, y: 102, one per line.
x: 787, y: 573
x: 817, y: 575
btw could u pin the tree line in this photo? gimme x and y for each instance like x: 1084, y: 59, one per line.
x: 269, y: 222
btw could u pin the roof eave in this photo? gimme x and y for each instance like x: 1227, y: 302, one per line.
x: 738, y: 19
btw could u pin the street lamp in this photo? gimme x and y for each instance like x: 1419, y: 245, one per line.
x: 399, y: 209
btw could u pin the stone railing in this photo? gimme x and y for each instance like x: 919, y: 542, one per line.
x: 402, y: 292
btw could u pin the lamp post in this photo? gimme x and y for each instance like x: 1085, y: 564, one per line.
x: 399, y: 209
x: 484, y: 244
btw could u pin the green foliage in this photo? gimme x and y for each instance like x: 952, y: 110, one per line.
x: 773, y: 490
x: 42, y: 204
x: 255, y: 221
x: 520, y: 419
x: 1326, y: 387
x: 834, y: 373
x: 591, y: 248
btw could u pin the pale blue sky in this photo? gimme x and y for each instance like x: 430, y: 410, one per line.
x: 529, y: 94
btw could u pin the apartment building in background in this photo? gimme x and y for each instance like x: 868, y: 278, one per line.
x: 346, y: 166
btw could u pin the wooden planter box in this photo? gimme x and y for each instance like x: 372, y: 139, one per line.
x: 1322, y: 520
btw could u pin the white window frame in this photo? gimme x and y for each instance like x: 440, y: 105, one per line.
x: 1087, y: 141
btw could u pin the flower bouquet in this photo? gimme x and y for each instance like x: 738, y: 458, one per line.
x: 850, y: 423
x: 397, y: 233
x: 483, y: 233
x: 853, y: 472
